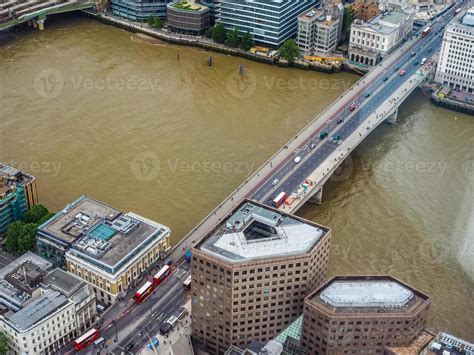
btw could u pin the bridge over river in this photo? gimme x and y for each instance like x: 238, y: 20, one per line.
x: 302, y: 166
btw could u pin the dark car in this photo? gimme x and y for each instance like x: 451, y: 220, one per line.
x: 385, y: 79
x: 416, y: 62
x: 339, y: 120
x: 129, y: 346
x: 430, y: 50
x: 367, y: 95
x: 397, y: 68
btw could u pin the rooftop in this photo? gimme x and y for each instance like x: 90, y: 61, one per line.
x: 447, y: 343
x: 318, y: 15
x: 62, y: 281
x: 99, y: 231
x: 188, y: 6
x: 468, y: 18
x: 386, y: 22
x: 38, y: 309
x: 253, y: 231
x: 11, y: 177
x: 367, y: 294
x: 416, y: 346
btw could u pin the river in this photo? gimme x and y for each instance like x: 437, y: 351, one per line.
x: 151, y: 128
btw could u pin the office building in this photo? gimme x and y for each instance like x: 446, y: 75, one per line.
x: 186, y: 17
x: 371, y: 41
x: 317, y: 32
x: 42, y: 308
x: 101, y: 245
x: 251, y: 273
x: 366, y: 10
x: 456, y: 61
x: 362, y: 314
x: 139, y: 10
x: 17, y: 195
x: 269, y: 22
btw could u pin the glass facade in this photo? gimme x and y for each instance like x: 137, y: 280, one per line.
x: 139, y: 10
x: 12, y: 207
x: 269, y: 22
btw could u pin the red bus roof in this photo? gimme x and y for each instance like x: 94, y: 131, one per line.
x: 145, y: 287
x: 86, y: 335
x: 161, y: 272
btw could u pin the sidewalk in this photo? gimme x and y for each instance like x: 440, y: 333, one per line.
x: 178, y: 341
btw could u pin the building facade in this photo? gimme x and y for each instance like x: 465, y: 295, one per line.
x: 371, y: 41
x: 366, y: 10
x: 186, y: 17
x: 456, y: 62
x: 102, y: 246
x: 139, y: 10
x: 251, y: 274
x: 362, y: 314
x: 43, y: 326
x: 269, y: 22
x: 17, y: 194
x: 317, y: 33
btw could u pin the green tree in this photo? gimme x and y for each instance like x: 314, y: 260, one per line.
x: 14, y: 232
x: 347, y: 19
x: 45, y: 218
x: 35, y: 214
x: 26, y: 241
x: 246, y: 42
x: 289, y: 50
x: 218, y: 33
x: 3, y: 344
x: 233, y: 39
x: 208, y: 33
x: 151, y: 20
x: 157, y: 23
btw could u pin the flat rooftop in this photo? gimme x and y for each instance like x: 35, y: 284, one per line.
x: 62, y: 281
x: 188, y: 6
x: 254, y: 231
x: 37, y: 310
x: 99, y: 231
x: 386, y: 22
x: 367, y: 294
x: 318, y: 15
x: 11, y: 176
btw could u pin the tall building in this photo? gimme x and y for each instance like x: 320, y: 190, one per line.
x: 101, y: 245
x: 317, y: 32
x: 456, y: 62
x: 270, y: 22
x: 42, y: 308
x: 139, y: 10
x: 362, y: 314
x: 17, y: 194
x: 371, y: 41
x: 251, y: 274
x: 187, y: 17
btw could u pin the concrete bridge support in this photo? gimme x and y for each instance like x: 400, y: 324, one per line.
x: 317, y: 198
x: 41, y: 24
x: 392, y: 118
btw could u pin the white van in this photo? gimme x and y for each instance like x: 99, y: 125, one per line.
x: 99, y: 342
x: 423, y: 61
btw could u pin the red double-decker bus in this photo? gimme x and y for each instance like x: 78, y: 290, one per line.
x: 279, y: 199
x: 161, y: 275
x: 426, y: 32
x: 143, y: 292
x: 86, y: 339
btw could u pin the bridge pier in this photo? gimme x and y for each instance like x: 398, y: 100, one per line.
x: 317, y: 198
x: 41, y: 24
x: 392, y: 118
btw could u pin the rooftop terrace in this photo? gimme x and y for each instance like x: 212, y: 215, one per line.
x: 11, y: 176
x: 99, y: 231
x: 253, y: 231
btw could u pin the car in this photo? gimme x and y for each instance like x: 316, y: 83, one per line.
x: 397, y: 68
x: 153, y: 344
x: 416, y: 62
x: 312, y: 146
x: 413, y: 54
x: 323, y: 135
x: 129, y: 346
x: 353, y: 107
x: 274, y: 182
x: 297, y: 159
x: 367, y: 95
x: 337, y: 137
x: 402, y: 72
x: 430, y: 50
x: 385, y: 79
x: 340, y: 120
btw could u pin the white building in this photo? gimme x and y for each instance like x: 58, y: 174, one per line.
x: 43, y: 326
x: 317, y: 33
x: 456, y: 61
x: 371, y: 41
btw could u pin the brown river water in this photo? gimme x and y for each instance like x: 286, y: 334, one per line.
x: 91, y: 109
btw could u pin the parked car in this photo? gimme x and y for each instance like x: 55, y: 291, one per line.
x: 154, y: 343
x: 274, y: 182
x: 297, y: 159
